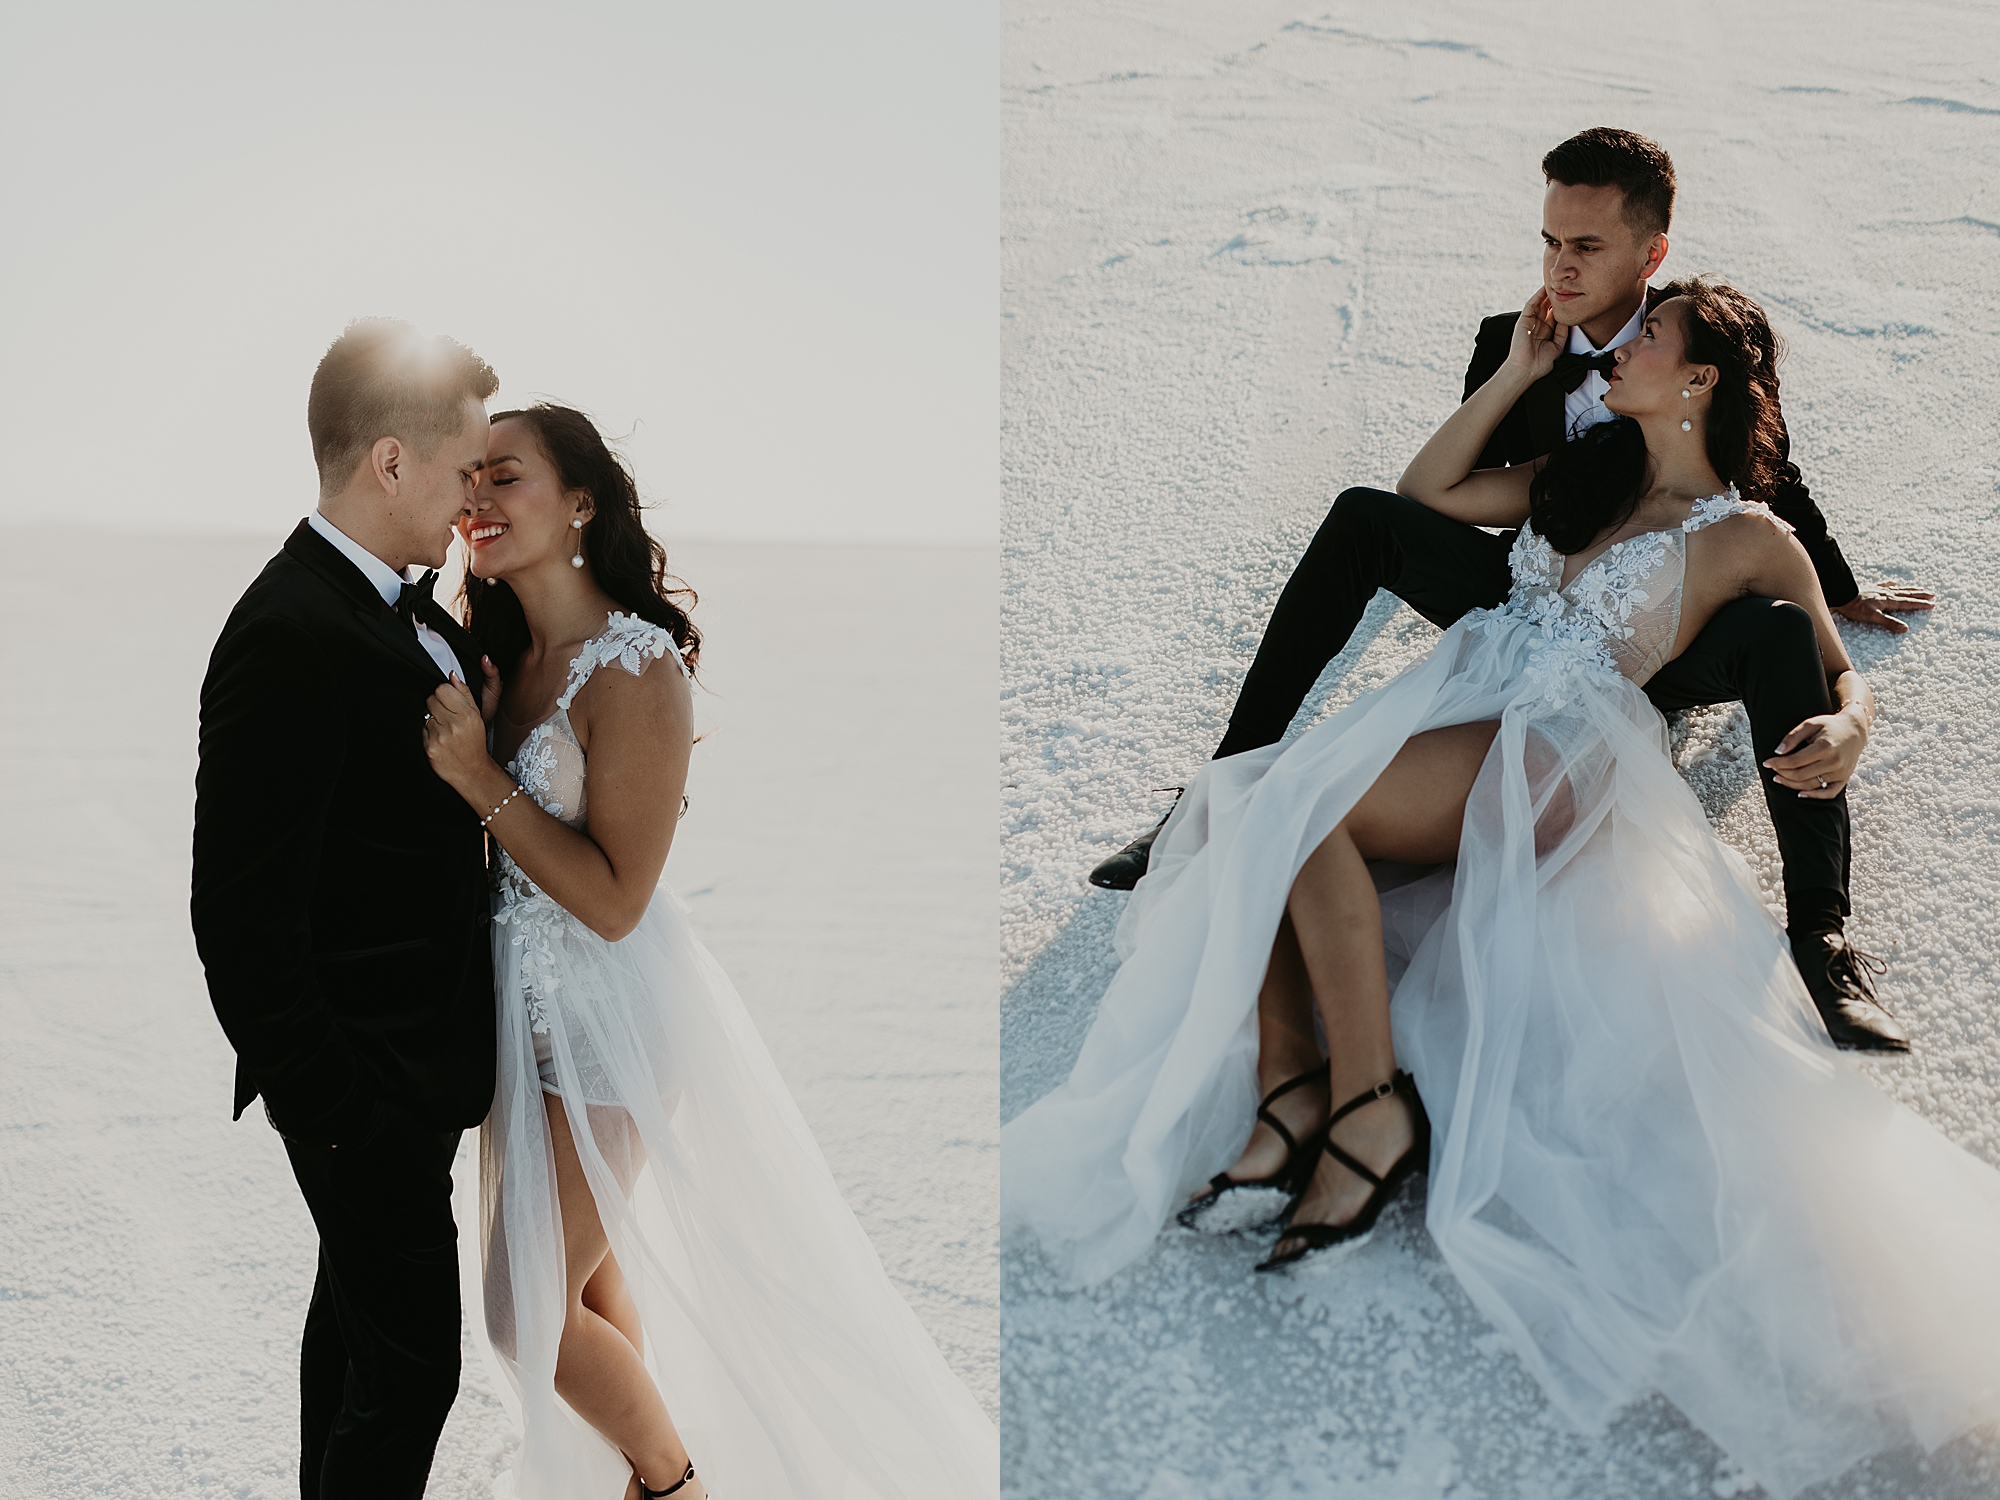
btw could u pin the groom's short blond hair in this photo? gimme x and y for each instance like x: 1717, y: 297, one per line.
x: 383, y: 378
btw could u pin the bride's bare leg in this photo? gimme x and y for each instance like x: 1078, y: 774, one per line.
x: 1286, y: 1047
x: 598, y: 1368
x: 1413, y: 814
x: 606, y: 1295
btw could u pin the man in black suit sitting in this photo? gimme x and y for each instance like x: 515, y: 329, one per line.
x: 340, y: 894
x: 1605, y: 213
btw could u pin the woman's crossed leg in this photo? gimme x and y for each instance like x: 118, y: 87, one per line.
x: 1329, y: 953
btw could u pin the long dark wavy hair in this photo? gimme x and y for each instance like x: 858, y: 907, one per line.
x: 628, y: 563
x: 1593, y: 484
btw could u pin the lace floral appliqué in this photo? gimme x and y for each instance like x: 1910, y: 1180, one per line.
x: 1720, y: 507
x: 1620, y: 613
x: 1568, y: 640
x: 549, y: 768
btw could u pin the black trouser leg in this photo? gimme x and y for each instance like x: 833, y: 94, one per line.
x: 322, y: 1381
x: 379, y: 1364
x: 1370, y: 540
x: 1765, y: 652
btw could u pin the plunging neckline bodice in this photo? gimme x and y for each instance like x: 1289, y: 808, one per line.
x: 549, y: 763
x: 625, y: 638
x: 1598, y: 557
x: 527, y: 732
x: 1623, y: 607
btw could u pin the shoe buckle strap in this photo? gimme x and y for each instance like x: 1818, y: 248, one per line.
x: 1379, y: 1091
x: 679, y: 1484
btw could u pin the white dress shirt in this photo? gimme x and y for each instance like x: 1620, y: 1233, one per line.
x: 389, y: 584
x: 1584, y: 408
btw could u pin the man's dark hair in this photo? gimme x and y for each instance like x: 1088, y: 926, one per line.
x: 382, y: 378
x: 1637, y: 167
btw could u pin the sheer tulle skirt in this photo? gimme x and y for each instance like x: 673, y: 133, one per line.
x: 789, y: 1362
x: 1650, y: 1169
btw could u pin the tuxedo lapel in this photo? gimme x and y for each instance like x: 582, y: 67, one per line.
x: 463, y: 646
x: 1544, y: 402
x: 379, y: 624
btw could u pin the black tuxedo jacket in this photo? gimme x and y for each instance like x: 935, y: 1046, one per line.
x: 340, y: 895
x: 1535, y: 426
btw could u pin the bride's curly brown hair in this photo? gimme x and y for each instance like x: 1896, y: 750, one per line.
x: 1724, y: 327
x: 627, y: 561
x: 1593, y: 484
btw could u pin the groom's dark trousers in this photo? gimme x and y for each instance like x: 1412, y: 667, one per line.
x: 1761, y: 651
x: 339, y: 906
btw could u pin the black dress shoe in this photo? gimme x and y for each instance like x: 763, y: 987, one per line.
x: 1837, y: 977
x: 1122, y: 871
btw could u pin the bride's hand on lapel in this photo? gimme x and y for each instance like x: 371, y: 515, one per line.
x: 455, y: 741
x: 489, y: 692
x: 1537, y: 338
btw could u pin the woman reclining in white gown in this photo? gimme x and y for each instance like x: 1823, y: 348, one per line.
x: 1649, y: 1168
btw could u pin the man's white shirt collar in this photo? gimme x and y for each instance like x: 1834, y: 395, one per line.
x: 388, y: 583
x: 1584, y: 407
x: 1579, y: 341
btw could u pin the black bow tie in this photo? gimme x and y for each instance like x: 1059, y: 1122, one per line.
x: 1571, y: 368
x: 415, y: 596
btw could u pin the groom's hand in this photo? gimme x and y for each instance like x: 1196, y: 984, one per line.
x: 1871, y: 606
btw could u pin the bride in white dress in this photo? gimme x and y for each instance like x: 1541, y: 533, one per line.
x: 1648, y: 1166
x: 658, y: 1231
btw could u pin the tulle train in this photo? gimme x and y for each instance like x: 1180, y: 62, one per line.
x: 788, y: 1360
x: 1650, y: 1169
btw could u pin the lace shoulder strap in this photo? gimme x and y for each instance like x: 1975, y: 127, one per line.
x: 1720, y: 507
x: 629, y: 641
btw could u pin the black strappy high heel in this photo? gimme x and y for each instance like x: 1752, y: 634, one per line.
x: 677, y: 1484
x: 1318, y: 1237
x: 1290, y: 1179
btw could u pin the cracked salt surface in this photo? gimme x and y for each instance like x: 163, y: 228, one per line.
x: 156, y: 1260
x: 1245, y: 248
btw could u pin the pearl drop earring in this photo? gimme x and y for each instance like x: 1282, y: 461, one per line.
x: 577, y: 526
x: 1686, y: 425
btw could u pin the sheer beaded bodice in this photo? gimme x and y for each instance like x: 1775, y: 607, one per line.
x: 1624, y: 607
x: 550, y: 767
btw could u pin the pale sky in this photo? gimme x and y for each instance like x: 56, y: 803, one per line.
x: 761, y: 239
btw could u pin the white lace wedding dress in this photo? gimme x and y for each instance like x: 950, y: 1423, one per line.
x: 1650, y: 1169
x: 789, y: 1362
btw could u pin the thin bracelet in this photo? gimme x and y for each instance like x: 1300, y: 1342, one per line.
x: 503, y: 802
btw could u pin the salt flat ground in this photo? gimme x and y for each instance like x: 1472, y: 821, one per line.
x: 155, y: 1260
x: 1245, y: 247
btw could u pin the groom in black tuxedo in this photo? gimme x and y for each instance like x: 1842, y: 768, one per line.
x: 340, y: 895
x: 1608, y: 204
